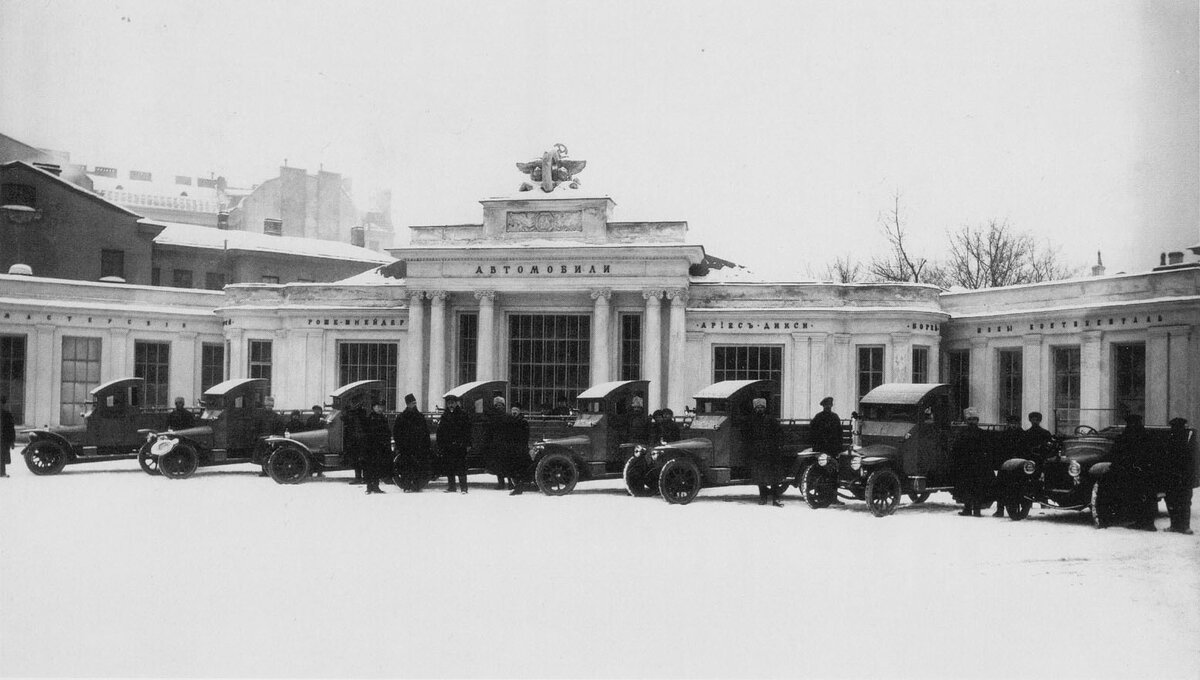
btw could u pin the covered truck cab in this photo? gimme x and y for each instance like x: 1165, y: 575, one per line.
x: 291, y: 458
x: 234, y: 421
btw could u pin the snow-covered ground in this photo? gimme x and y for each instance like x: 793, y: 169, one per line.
x: 106, y: 571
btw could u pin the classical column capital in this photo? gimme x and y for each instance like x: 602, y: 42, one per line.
x: 416, y: 295
x: 601, y: 293
x: 438, y: 296
x: 652, y: 294
x: 678, y: 296
x: 481, y: 295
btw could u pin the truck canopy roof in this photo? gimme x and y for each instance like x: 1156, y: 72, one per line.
x: 727, y: 388
x: 604, y: 389
x: 114, y: 385
x: 901, y: 393
x: 485, y: 385
x: 349, y: 388
x: 231, y: 386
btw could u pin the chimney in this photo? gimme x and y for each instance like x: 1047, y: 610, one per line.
x: 1098, y: 270
x: 222, y: 220
x: 358, y: 237
x: 1175, y: 257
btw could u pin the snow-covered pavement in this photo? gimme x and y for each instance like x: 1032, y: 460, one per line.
x: 106, y: 571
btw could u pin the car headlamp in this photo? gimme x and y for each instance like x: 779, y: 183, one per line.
x: 1073, y: 468
x: 163, y: 446
x: 639, y: 450
x: 1029, y: 467
x: 856, y: 463
x: 823, y: 459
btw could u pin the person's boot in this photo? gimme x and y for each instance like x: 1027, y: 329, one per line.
x: 500, y: 483
x: 977, y: 511
x: 762, y: 496
x: 999, y: 510
x: 518, y: 489
x: 775, y: 501
x: 450, y: 489
x: 966, y: 511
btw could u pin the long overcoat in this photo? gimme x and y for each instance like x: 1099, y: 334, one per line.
x: 826, y: 432
x: 511, y: 442
x: 454, y: 438
x: 762, y: 433
x: 377, y: 446
x: 411, y: 432
x: 972, y: 460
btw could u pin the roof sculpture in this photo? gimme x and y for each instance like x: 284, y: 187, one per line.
x: 551, y: 170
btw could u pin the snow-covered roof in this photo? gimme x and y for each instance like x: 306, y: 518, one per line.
x: 377, y: 276
x: 899, y: 393
x: 726, y: 388
x: 604, y: 389
x: 195, y: 236
x: 72, y: 186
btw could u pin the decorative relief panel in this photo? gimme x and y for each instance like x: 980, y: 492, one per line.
x: 544, y: 220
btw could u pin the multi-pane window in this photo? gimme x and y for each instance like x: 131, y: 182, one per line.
x: 214, y: 280
x: 1010, y: 386
x: 468, y: 347
x: 631, y: 347
x: 751, y: 362
x: 870, y: 369
x: 1129, y: 380
x: 80, y: 374
x: 549, y: 358
x: 370, y: 361
x: 273, y: 227
x: 920, y: 364
x: 958, y: 376
x: 152, y: 362
x: 112, y: 263
x: 181, y: 278
x: 259, y: 353
x: 12, y: 374
x: 1066, y: 389
x: 212, y: 365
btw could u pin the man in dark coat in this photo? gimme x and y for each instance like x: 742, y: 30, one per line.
x: 1132, y: 473
x: 826, y: 429
x: 664, y: 430
x: 295, y: 422
x: 491, y: 448
x: 354, y: 439
x: 1179, y: 476
x: 316, y: 421
x: 266, y: 422
x: 377, y: 447
x: 1036, y: 439
x: 454, y: 441
x: 762, y: 434
x: 638, y: 423
x: 972, y: 465
x: 1008, y: 444
x: 180, y: 418
x: 411, y: 432
x: 512, y: 444
x: 8, y: 436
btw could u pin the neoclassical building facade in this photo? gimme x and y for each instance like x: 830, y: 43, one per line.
x: 551, y: 294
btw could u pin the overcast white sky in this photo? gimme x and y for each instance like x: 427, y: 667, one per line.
x: 778, y: 131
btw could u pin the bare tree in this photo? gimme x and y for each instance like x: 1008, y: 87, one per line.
x: 844, y: 270
x: 996, y: 255
x: 901, y: 264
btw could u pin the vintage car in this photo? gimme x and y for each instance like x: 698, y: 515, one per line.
x: 712, y: 451
x: 110, y: 430
x: 292, y: 457
x: 1073, y: 475
x: 905, y: 439
x: 234, y: 424
x: 597, y: 445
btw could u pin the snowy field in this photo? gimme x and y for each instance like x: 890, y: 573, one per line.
x: 107, y: 572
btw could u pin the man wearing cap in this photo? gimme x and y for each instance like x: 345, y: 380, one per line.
x: 491, y: 429
x: 638, y: 423
x: 1036, y: 438
x: 1178, y: 476
x: 180, y: 418
x: 317, y: 420
x: 354, y: 438
x: 377, y: 448
x: 762, y: 441
x: 454, y: 440
x: 826, y: 431
x: 1132, y: 474
x: 512, y: 443
x: 972, y: 465
x: 411, y: 434
x: 1007, y: 445
x: 664, y: 430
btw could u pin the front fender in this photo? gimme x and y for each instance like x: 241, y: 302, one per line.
x: 1099, y: 470
x: 543, y: 449
x: 166, y: 442
x: 689, y: 448
x: 50, y: 436
x: 1014, y: 465
x: 274, y: 442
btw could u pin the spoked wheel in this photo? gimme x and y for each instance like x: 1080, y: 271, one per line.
x: 883, y: 492
x: 639, y: 480
x: 556, y: 474
x: 148, y: 463
x: 918, y: 497
x: 1017, y: 506
x: 1104, y: 510
x: 679, y: 481
x: 179, y: 463
x: 45, y: 458
x: 288, y: 465
x: 819, y: 490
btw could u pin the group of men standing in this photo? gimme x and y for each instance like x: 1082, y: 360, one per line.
x: 977, y: 460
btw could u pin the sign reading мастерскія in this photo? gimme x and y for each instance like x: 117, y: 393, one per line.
x: 542, y: 269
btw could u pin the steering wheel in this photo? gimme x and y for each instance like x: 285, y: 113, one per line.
x: 1085, y: 430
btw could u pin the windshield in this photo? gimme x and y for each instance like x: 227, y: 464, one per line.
x: 896, y: 413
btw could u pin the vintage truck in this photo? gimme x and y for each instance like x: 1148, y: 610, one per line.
x: 712, y: 451
x: 597, y: 445
x: 294, y: 456
x: 905, y: 440
x: 234, y: 423
x: 1072, y: 474
x: 110, y: 430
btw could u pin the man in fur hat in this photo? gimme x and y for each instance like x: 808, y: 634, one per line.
x: 411, y: 434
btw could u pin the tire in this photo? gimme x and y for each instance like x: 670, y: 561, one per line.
x: 148, y: 463
x: 639, y: 481
x: 556, y: 474
x: 179, y: 463
x: 819, y: 490
x: 1017, y: 506
x: 918, y: 497
x: 802, y: 479
x: 1103, y: 510
x: 883, y: 492
x: 44, y: 458
x: 288, y: 465
x: 679, y: 481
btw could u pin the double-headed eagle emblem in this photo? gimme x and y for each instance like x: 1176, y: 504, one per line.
x: 551, y: 170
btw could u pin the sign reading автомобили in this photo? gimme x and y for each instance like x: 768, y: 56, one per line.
x: 541, y: 269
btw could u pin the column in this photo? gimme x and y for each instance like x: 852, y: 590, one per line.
x: 283, y: 381
x: 237, y: 354
x: 485, y: 347
x: 1091, y: 379
x: 416, y: 346
x: 981, y: 385
x: 677, y: 348
x: 184, y: 378
x: 41, y: 379
x: 810, y: 373
x: 845, y: 390
x: 652, y: 349
x: 118, y: 352
x: 437, y: 348
x: 600, y: 330
x: 1032, y: 373
x: 901, y: 357
x: 314, y: 366
x: 1182, y: 364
